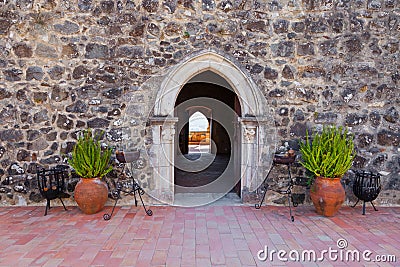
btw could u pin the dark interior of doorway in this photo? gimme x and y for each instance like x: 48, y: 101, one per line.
x: 218, y: 134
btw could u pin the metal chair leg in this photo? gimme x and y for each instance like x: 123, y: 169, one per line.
x: 258, y: 205
x: 289, y: 192
x: 47, y: 207
x: 265, y: 185
x: 290, y: 208
x: 356, y: 203
x: 363, y: 208
x: 117, y: 194
x: 62, y: 203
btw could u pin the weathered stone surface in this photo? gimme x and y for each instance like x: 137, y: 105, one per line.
x: 153, y: 29
x: 312, y: 72
x: 328, y: 47
x: 298, y: 129
x: 277, y: 93
x: 23, y: 155
x: 384, y: 91
x: 284, y: 111
x: 5, y: 24
x: 64, y: 122
x: 40, y: 97
x: 78, y: 107
x: 305, y: 49
x: 326, y: 118
x: 113, y: 93
x: 25, y: 117
x: 130, y: 51
x: 12, y: 75
x: 98, y: 123
x: 67, y: 147
x: 173, y: 29
x: 84, y: 5
x: 45, y: 51
x: 34, y: 73
x: 359, y: 162
x: 354, y: 119
x: 8, y: 114
x: 375, y: 118
x: 22, y: 50
x: 59, y: 94
x: 298, y: 115
x: 35, y: 197
x: 80, y: 72
x: 137, y: 30
x: 107, y: 6
x: 287, y: 72
x: 256, y: 26
x: 298, y: 26
x: 94, y: 50
x: 4, y: 93
x: 281, y: 26
x: 11, y: 135
x: 2, y: 151
x: 391, y: 115
x: 77, y: 63
x: 70, y: 51
x: 32, y: 135
x: 41, y: 116
x: 56, y: 72
x: 67, y: 28
x: 51, y: 136
x: 50, y: 160
x: 282, y: 49
x: 348, y: 94
x: 150, y: 6
x: 388, y: 138
x: 270, y: 74
x: 315, y: 25
x: 257, y: 68
x: 353, y: 44
x: 207, y: 5
x: 364, y: 140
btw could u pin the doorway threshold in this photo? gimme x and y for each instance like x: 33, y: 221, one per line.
x: 209, y: 199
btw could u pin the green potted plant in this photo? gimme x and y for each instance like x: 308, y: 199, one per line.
x: 91, y: 162
x: 328, y: 156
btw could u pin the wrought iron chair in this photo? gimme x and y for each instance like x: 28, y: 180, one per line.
x: 284, y: 160
x: 51, y: 185
x: 128, y: 187
x: 366, y: 187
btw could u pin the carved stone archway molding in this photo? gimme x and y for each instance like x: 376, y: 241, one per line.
x: 254, y: 134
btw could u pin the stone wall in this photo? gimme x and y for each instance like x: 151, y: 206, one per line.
x: 69, y: 65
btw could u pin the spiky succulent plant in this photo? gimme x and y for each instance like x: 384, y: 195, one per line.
x: 89, y: 159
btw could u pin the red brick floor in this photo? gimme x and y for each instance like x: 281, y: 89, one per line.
x: 203, y: 236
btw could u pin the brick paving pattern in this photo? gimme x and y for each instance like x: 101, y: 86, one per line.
x: 203, y: 236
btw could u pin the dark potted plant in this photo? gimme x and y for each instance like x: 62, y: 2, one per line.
x: 328, y: 156
x: 91, y: 162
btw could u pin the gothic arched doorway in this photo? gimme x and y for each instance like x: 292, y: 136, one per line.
x: 254, y: 133
x: 213, y: 170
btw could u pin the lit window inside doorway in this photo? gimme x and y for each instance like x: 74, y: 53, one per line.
x: 199, y: 133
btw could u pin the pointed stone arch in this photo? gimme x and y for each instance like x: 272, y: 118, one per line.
x: 253, y: 133
x: 250, y: 96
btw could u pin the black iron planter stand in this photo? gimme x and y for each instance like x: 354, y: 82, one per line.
x: 129, y: 187
x: 288, y: 161
x: 51, y: 185
x: 366, y: 187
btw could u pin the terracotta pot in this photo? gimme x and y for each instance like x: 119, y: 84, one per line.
x: 327, y: 195
x: 91, y: 195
